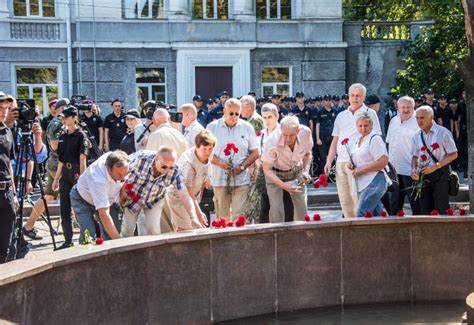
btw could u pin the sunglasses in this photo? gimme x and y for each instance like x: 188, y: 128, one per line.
x: 236, y: 114
x: 167, y: 167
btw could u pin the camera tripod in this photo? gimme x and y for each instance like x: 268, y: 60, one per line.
x: 26, y: 153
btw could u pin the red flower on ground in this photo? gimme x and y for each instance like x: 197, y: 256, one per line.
x: 450, y: 212
x: 179, y: 229
x: 345, y: 141
x: 259, y: 133
x: 424, y: 157
x: 324, y: 184
x: 435, y: 146
x: 316, y: 184
x: 215, y: 223
x: 222, y: 222
x: 230, y: 224
x: 306, y: 218
x: 99, y: 241
x: 401, y: 213
x: 369, y: 214
x: 424, y: 148
x: 435, y: 213
x: 128, y: 186
x: 323, y: 177
x: 383, y: 214
x: 316, y: 217
x: 241, y: 221
x: 462, y: 212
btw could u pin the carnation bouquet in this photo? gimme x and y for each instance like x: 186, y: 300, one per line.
x: 230, y: 151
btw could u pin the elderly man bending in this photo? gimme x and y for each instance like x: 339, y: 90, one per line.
x: 145, y: 188
x: 286, y: 161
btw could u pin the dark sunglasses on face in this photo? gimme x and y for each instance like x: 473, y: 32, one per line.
x: 167, y: 167
x: 236, y: 114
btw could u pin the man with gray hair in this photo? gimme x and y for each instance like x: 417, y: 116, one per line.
x: 235, y: 152
x: 165, y: 134
x: 286, y: 161
x: 190, y: 123
x: 249, y: 112
x: 345, y: 133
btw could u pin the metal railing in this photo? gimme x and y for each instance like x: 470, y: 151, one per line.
x: 35, y: 31
x: 390, y: 31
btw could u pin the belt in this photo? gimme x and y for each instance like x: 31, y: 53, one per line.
x: 70, y: 165
x: 4, y: 185
x: 282, y: 171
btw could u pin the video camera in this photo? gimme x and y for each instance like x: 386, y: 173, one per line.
x: 26, y: 113
x: 151, y: 106
x: 78, y: 102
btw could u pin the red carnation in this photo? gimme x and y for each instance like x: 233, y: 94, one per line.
x: 424, y: 158
x: 345, y: 141
x: 128, y: 186
x: 316, y: 217
x: 450, y: 212
x: 401, y: 213
x: 99, y: 241
x: 435, y: 146
x: 369, y: 214
x: 230, y: 224
x: 435, y: 213
x: 316, y: 184
x: 135, y: 198
x: 424, y: 148
x: 222, y: 222
x: 231, y: 145
x: 179, y: 229
x: 324, y: 184
x: 215, y: 223
x: 306, y: 218
x: 236, y: 150
x: 323, y: 177
x: 462, y: 212
x: 259, y: 133
x: 241, y: 221
x: 227, y: 151
x: 383, y: 214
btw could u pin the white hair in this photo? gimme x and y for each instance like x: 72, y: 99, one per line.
x: 249, y: 100
x: 188, y: 107
x: 406, y: 99
x: 290, y: 122
x: 425, y: 109
x: 269, y: 107
x: 233, y: 102
x: 358, y: 86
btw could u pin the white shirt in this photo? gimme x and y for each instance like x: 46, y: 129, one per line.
x: 243, y: 136
x: 437, y: 134
x: 191, y: 131
x: 371, y: 150
x: 400, y: 139
x: 139, y: 129
x: 97, y: 187
x: 166, y: 135
x: 345, y: 127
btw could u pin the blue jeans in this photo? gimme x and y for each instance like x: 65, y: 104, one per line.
x: 369, y: 197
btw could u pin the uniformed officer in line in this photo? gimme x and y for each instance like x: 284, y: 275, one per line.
x: 336, y: 102
x: 203, y: 116
x: 8, y: 199
x: 218, y: 112
x: 287, y: 103
x: 282, y: 110
x: 302, y: 111
x: 211, y: 104
x: 95, y: 125
x: 345, y: 103
x: 115, y: 127
x: 324, y: 121
x: 318, y: 102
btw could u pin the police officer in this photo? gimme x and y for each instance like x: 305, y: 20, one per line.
x: 218, y: 112
x: 345, y: 102
x: 8, y: 199
x: 302, y: 111
x: 324, y: 124
x: 203, y: 116
x: 318, y: 103
x: 73, y: 149
x: 94, y: 125
x: 335, y: 102
x: 282, y: 111
x: 114, y: 127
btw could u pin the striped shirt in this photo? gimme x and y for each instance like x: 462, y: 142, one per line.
x: 149, y: 189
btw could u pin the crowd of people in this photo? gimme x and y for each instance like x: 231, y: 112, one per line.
x: 144, y: 172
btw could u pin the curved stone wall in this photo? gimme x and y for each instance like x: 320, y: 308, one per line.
x: 215, y: 275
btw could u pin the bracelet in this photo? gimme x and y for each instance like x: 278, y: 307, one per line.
x: 28, y: 180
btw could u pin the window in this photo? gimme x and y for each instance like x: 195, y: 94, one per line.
x: 151, y: 85
x: 273, y: 9
x: 276, y: 80
x: 34, y: 8
x: 41, y: 84
x: 144, y: 8
x: 211, y: 9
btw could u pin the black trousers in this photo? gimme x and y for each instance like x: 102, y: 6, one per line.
x: 434, y: 195
x: 265, y: 208
x: 397, y: 197
x: 7, y: 219
x: 326, y: 139
x: 68, y: 180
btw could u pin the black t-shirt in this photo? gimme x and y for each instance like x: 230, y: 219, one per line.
x: 71, y: 145
x: 45, y: 122
x: 446, y: 115
x: 7, y: 152
x: 304, y: 115
x: 93, y: 124
x: 461, y: 113
x: 117, y: 127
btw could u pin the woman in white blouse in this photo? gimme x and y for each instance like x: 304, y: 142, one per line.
x: 369, y: 158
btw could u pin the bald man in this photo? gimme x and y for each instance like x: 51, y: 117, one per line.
x: 165, y: 134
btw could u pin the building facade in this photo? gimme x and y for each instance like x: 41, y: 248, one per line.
x: 170, y: 49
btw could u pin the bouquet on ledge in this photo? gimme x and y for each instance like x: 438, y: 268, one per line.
x: 230, y: 151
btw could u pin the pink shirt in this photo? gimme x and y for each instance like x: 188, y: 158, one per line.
x: 280, y: 156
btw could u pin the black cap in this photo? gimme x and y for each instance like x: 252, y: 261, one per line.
x: 132, y: 113
x: 443, y: 96
x: 70, y: 111
x: 327, y: 97
x: 453, y: 101
x: 345, y: 96
x: 211, y: 101
x: 4, y: 96
x: 299, y: 94
x: 224, y: 93
x: 318, y: 98
x: 61, y: 102
x: 252, y: 93
x: 197, y: 97
x: 372, y: 99
x: 276, y: 96
x: 428, y: 91
x: 418, y: 99
x: 336, y: 97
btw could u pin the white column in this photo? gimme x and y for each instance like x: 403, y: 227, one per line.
x: 179, y: 9
x: 243, y: 10
x: 4, y: 10
x: 325, y: 9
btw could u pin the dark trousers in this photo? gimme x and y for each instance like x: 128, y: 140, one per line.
x: 68, y: 180
x: 326, y: 139
x: 397, y: 197
x: 7, y: 218
x: 265, y: 208
x: 434, y: 195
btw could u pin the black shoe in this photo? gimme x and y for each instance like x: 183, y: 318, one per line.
x: 65, y: 245
x: 33, y: 234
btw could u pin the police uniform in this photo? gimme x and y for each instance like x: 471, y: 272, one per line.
x: 325, y: 119
x: 217, y: 113
x: 70, y: 147
x: 282, y: 112
x: 54, y: 131
x: 7, y: 217
x: 117, y: 129
x: 304, y: 115
x: 446, y: 115
x: 93, y: 124
x: 203, y: 117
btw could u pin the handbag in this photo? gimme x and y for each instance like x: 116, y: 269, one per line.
x: 453, y: 184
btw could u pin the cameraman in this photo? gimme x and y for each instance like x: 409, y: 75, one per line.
x: 142, y: 131
x: 114, y: 127
x: 94, y: 127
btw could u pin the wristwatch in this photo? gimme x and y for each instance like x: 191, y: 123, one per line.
x: 242, y: 168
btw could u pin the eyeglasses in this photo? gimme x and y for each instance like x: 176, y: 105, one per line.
x: 167, y: 167
x: 236, y: 114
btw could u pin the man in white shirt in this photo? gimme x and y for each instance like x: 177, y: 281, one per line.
x: 400, y: 135
x: 236, y: 141
x: 190, y: 123
x: 165, y: 135
x: 345, y: 130
x: 96, y: 191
